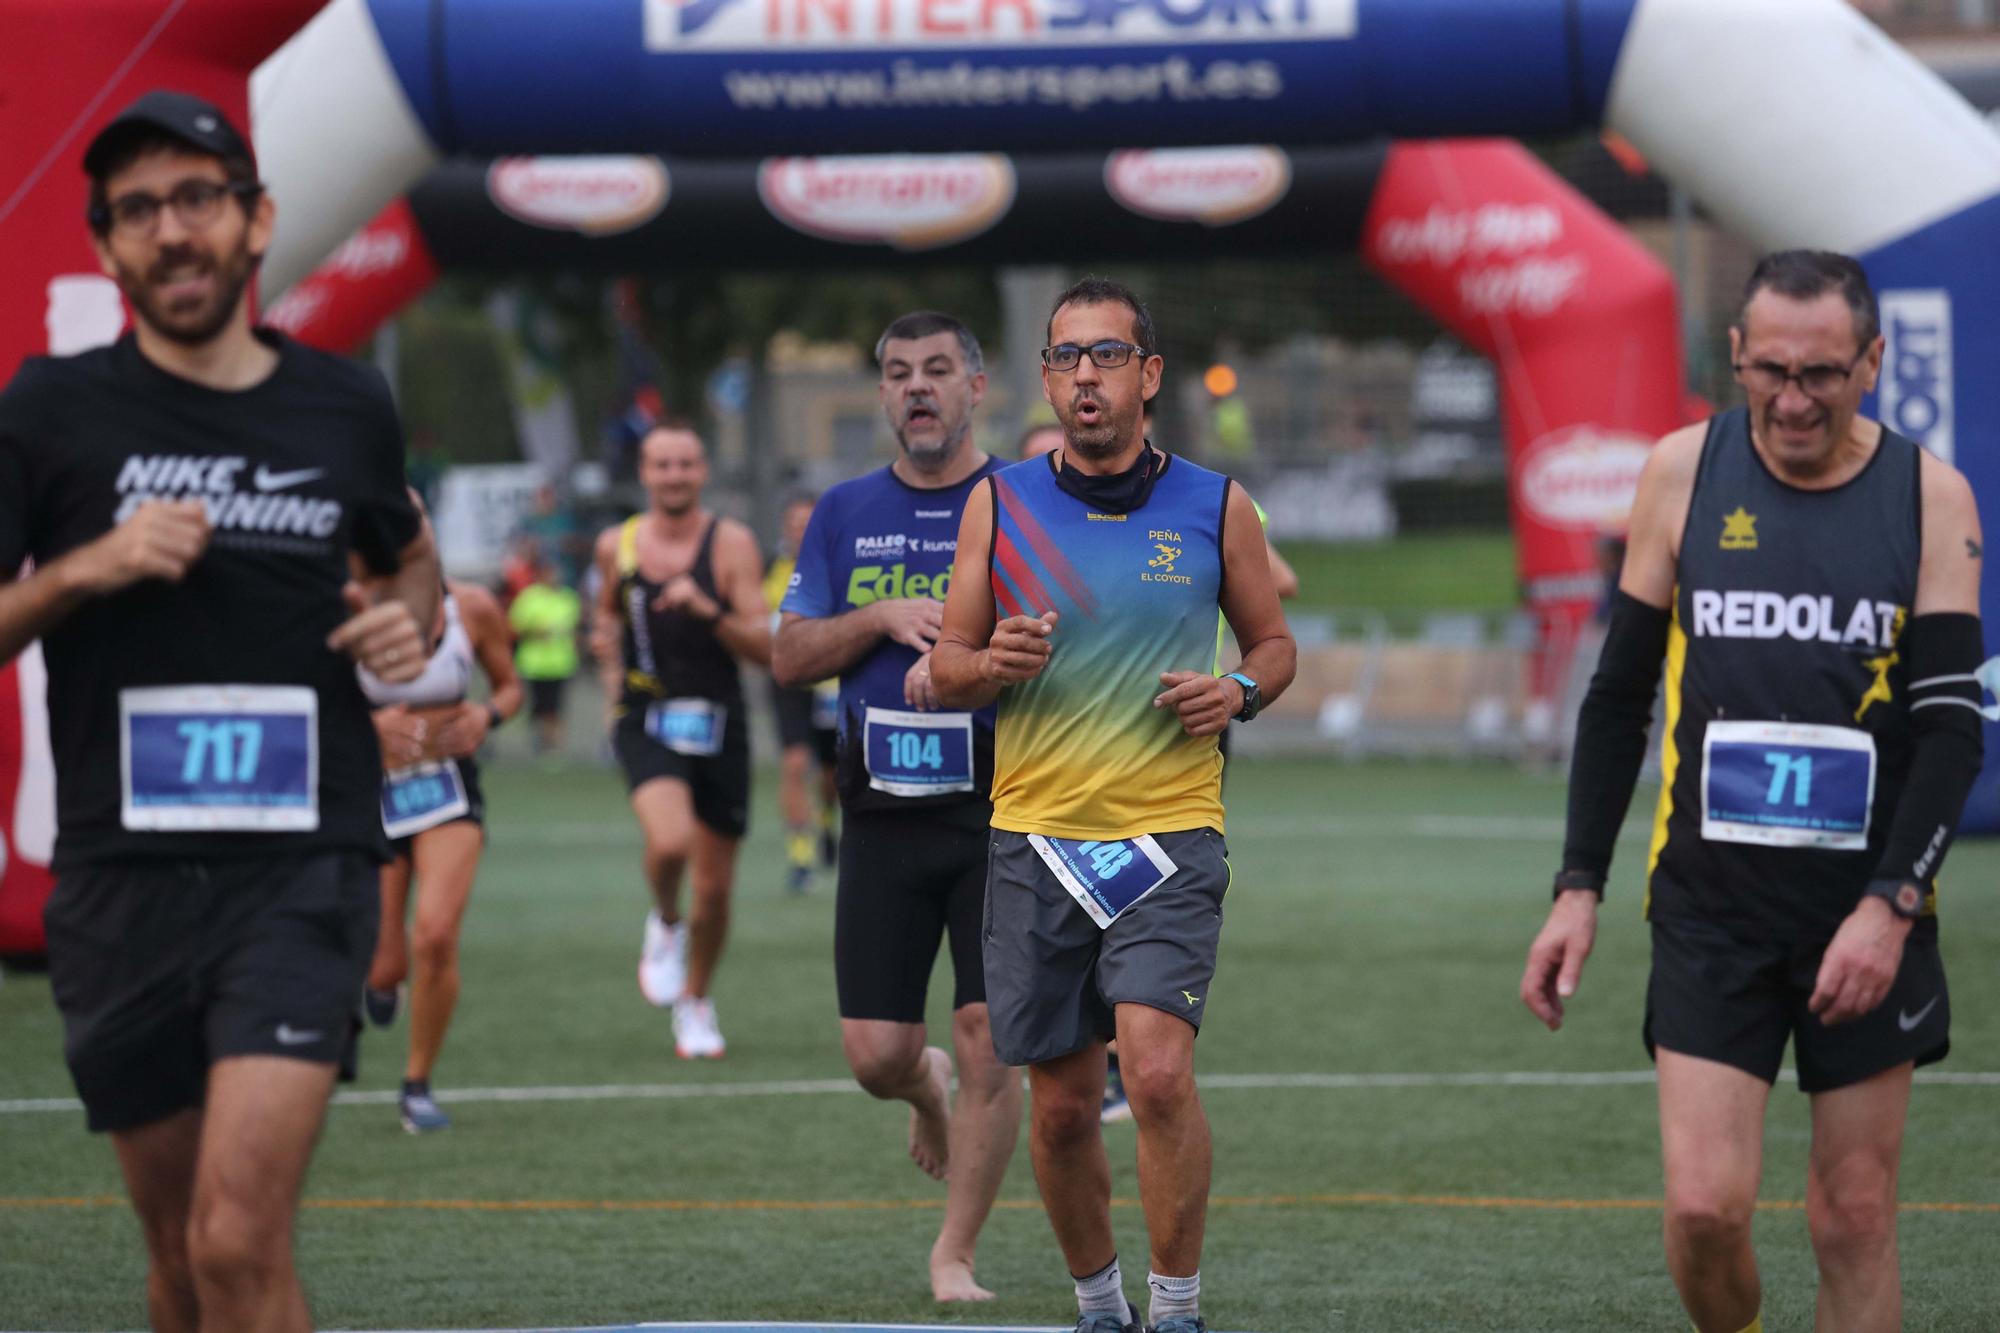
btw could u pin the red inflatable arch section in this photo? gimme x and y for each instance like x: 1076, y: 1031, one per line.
x: 1581, y: 322
x: 64, y: 77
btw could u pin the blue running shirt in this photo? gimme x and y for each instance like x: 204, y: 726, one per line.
x: 872, y: 538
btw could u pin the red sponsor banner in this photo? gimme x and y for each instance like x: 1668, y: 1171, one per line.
x: 375, y: 273
x: 1581, y: 323
x: 27, y: 805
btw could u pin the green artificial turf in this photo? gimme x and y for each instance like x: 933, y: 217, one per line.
x: 1376, y: 925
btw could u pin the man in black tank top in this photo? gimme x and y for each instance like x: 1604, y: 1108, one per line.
x: 219, y: 531
x: 1811, y: 579
x: 681, y: 604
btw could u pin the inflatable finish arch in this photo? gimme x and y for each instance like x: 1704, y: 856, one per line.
x: 1578, y: 318
x: 1844, y: 142
x: 1794, y: 122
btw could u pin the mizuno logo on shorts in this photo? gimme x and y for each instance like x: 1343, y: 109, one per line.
x: 1191, y: 998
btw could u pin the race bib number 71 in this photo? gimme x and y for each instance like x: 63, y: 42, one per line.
x: 1787, y: 784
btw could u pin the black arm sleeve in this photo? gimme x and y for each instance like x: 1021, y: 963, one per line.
x: 1944, y: 651
x: 1611, y: 739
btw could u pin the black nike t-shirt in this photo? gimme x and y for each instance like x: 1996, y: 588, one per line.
x: 208, y: 718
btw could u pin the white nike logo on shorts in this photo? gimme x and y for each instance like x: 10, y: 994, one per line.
x: 268, y: 480
x: 1908, y: 1021
x: 291, y: 1036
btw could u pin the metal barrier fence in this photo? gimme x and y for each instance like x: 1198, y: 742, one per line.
x: 1461, y: 686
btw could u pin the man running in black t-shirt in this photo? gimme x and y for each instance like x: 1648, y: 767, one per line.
x: 219, y: 528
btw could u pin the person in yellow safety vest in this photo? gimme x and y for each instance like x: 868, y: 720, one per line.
x: 808, y: 729
x: 546, y: 615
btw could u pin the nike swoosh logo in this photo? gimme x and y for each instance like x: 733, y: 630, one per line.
x: 1908, y: 1021
x: 291, y: 1036
x: 268, y: 480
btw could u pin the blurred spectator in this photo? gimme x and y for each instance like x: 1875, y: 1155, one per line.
x: 520, y: 569
x: 553, y: 524
x: 1043, y: 439
x: 546, y: 615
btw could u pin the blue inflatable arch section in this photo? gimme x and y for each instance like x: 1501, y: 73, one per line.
x: 1793, y: 122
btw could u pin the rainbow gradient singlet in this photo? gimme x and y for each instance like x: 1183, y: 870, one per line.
x: 1080, y: 751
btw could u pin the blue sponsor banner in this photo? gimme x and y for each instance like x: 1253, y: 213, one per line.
x: 1939, y: 290
x: 849, y: 76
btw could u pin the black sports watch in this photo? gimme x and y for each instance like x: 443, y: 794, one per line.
x: 1253, y: 697
x: 1905, y: 897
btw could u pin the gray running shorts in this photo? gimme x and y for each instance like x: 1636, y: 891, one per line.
x: 1053, y: 977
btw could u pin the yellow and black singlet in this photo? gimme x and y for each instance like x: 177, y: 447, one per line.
x: 1788, y: 727
x: 669, y: 654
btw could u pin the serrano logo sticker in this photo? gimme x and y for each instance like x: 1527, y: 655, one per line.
x: 593, y: 195
x: 911, y: 201
x: 1212, y: 186
x: 1582, y: 476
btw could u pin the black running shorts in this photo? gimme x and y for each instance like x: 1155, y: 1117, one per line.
x: 794, y: 710
x: 545, y: 697
x: 720, y: 782
x: 1719, y: 996
x: 475, y: 800
x: 907, y: 881
x: 1054, y: 979
x: 162, y: 968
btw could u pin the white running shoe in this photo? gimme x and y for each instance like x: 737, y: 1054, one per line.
x: 663, y: 961
x: 696, y: 1036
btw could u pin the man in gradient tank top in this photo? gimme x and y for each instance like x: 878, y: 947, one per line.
x: 1084, y: 602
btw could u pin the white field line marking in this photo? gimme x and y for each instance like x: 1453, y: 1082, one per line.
x: 1613, y: 1078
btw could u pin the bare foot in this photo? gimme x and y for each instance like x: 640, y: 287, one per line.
x: 930, y: 1121
x: 951, y: 1280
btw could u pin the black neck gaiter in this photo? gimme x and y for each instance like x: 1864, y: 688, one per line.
x: 1117, y: 493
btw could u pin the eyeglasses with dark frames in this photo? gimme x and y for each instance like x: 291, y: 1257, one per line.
x: 1107, y: 355
x: 196, y: 203
x: 1817, y: 381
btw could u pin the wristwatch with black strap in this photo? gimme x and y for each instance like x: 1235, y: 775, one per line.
x: 1253, y: 697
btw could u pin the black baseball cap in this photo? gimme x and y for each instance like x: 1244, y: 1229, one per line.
x: 199, y: 124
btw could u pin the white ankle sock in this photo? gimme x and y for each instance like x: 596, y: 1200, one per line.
x: 1173, y: 1296
x: 1103, y: 1292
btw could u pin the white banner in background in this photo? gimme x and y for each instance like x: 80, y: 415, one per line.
x: 478, y: 511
